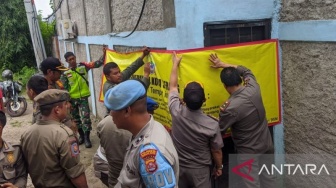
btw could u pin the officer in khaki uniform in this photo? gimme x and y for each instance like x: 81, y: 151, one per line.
x: 196, y: 136
x: 151, y: 159
x: 50, y: 148
x: 12, y: 167
x: 245, y: 114
x: 109, y: 158
x: 113, y: 153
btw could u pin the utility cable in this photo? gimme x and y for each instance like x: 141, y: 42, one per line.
x: 136, y: 26
x: 56, y: 9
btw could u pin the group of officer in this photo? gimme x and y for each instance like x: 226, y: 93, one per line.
x: 139, y: 150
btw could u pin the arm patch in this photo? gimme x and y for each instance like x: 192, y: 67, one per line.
x: 155, y: 170
x: 224, y: 106
x: 74, y: 148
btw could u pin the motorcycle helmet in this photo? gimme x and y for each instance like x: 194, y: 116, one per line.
x: 7, y: 74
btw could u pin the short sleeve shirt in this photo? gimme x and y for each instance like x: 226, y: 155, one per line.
x: 153, y: 132
x: 53, y: 159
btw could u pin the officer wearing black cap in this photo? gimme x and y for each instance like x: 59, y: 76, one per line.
x: 151, y: 159
x: 52, y: 70
x: 50, y: 148
x: 13, y: 171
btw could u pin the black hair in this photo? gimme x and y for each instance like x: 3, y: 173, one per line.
x: 46, y: 109
x: 68, y: 54
x: 38, y: 84
x: 3, y: 119
x: 194, y: 96
x: 230, y: 77
x: 108, y: 66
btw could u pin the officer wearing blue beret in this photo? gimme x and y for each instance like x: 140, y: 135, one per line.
x: 151, y: 159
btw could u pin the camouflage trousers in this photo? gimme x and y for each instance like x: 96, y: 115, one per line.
x: 80, y: 112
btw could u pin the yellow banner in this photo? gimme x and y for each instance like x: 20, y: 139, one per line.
x: 261, y: 57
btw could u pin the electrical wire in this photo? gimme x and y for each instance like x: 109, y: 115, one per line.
x: 136, y: 26
x: 56, y: 9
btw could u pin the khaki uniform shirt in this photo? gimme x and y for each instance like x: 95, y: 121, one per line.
x: 52, y: 154
x: 194, y: 134
x: 100, y: 164
x: 153, y: 132
x: 12, y: 166
x: 114, y: 141
x: 244, y: 112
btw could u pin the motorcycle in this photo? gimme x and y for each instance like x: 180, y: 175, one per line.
x: 15, y: 105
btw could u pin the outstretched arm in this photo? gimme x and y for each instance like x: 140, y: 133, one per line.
x: 145, y: 79
x: 174, y: 73
x: 130, y: 70
x: 217, y: 63
x: 95, y: 64
x: 243, y: 71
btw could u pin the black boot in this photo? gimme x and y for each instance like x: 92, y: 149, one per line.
x: 87, y: 139
x: 81, y: 136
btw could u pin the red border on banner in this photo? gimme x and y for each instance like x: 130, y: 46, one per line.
x: 214, y: 48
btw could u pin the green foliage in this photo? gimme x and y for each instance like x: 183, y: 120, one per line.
x: 25, y: 73
x: 16, y: 49
x: 47, y: 30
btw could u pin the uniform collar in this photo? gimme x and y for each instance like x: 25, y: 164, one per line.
x: 47, y: 122
x: 144, y: 132
x: 237, y: 91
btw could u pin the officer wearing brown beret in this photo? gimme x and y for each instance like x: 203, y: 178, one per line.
x: 50, y: 148
x: 12, y: 167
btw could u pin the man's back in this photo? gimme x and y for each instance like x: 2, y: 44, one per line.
x: 115, y: 142
x: 52, y: 154
x: 244, y: 112
x: 194, y: 134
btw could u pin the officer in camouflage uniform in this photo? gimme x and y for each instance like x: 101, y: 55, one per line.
x: 75, y: 80
x: 13, y: 172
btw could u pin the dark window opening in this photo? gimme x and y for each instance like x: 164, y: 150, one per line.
x: 232, y: 32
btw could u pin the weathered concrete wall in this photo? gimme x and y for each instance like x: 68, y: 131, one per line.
x: 308, y: 73
x: 297, y: 10
x: 308, y: 90
x: 95, y: 17
x: 309, y: 95
x: 125, y: 15
x: 76, y: 12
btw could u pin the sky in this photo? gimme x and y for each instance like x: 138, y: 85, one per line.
x: 44, y: 6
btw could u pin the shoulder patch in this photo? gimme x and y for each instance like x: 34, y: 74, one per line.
x: 10, y: 157
x: 154, y: 168
x: 74, y: 149
x: 246, y: 81
x: 149, y: 157
x: 224, y: 106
